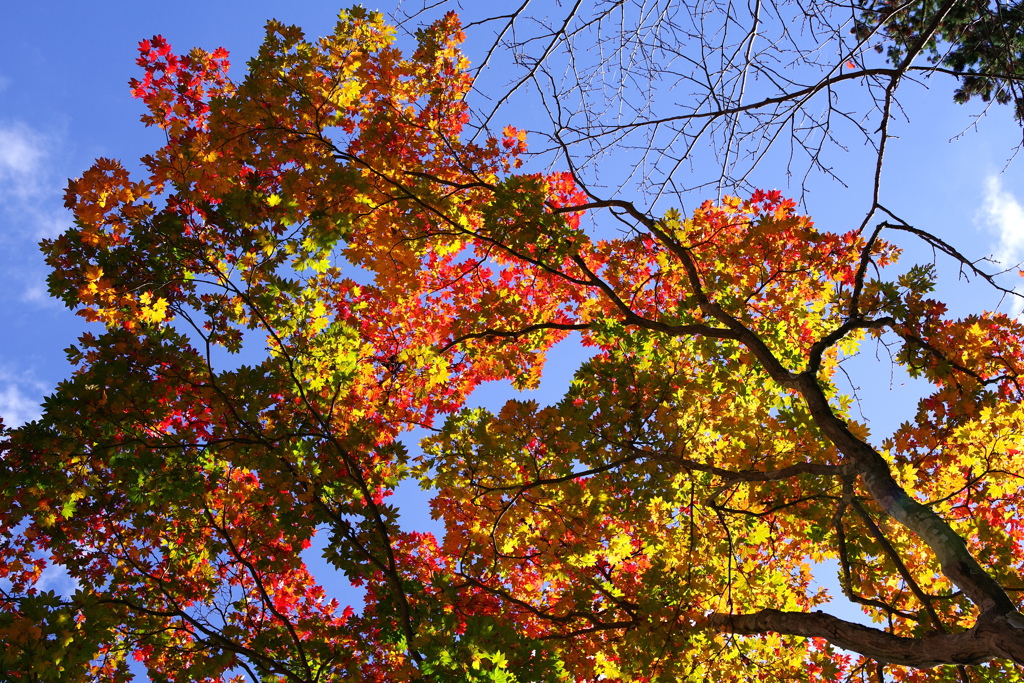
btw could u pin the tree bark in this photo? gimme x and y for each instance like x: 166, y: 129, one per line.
x: 999, y: 637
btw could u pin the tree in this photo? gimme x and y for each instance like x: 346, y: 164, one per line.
x: 981, y: 44
x: 660, y: 522
x: 673, y: 101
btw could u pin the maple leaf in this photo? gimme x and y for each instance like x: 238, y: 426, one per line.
x: 662, y: 520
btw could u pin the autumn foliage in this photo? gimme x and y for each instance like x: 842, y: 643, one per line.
x: 325, y: 219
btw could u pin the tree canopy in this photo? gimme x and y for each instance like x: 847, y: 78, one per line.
x: 341, y: 220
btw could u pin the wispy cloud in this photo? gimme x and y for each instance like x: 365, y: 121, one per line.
x: 55, y: 577
x: 20, y: 397
x: 22, y: 151
x: 1004, y: 214
x: 31, y: 183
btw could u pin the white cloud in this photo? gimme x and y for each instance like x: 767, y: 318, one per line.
x: 17, y: 408
x: 1005, y: 216
x: 31, y: 184
x: 20, y: 398
x: 55, y: 577
x: 31, y: 209
x: 22, y: 152
x: 36, y: 293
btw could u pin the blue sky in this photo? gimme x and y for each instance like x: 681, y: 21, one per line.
x: 64, y: 101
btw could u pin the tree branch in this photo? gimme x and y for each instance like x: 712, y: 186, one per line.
x: 989, y: 639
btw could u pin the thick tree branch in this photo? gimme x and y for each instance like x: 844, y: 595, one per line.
x: 998, y: 637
